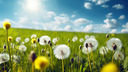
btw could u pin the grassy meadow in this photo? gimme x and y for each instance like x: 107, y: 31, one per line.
x: 24, y: 65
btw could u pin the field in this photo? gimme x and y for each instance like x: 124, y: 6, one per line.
x: 80, y: 63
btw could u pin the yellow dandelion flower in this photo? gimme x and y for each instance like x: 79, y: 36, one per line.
x: 6, y: 25
x: 111, y: 67
x: 34, y: 40
x: 10, y: 38
x: 41, y: 63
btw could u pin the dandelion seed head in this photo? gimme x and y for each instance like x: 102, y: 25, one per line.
x: 4, y: 58
x: 18, y: 39
x: 22, y: 48
x: 44, y: 40
x: 114, y: 44
x: 62, y: 51
x: 75, y: 38
x: 118, y: 55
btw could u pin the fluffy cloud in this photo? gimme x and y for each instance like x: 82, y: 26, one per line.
x: 104, y: 6
x: 109, y: 15
x: 88, y: 28
x: 88, y: 5
x: 125, y: 30
x: 67, y: 27
x: 51, y: 14
x: 80, y: 21
x: 109, y: 23
x: 121, y: 17
x: 113, y: 31
x: 61, y: 19
x: 99, y: 2
x: 118, y: 6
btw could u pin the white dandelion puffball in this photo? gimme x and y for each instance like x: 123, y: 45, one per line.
x: 103, y: 50
x: 118, y: 55
x: 22, y: 43
x: 86, y: 36
x: 26, y: 40
x: 62, y: 51
x: 34, y: 45
x: 44, y: 40
x: 81, y: 40
x: 114, y: 44
x: 15, y: 58
x: 4, y: 58
x: 22, y: 48
x: 92, y: 36
x: 91, y: 43
x: 86, y: 50
x: 54, y: 40
x: 18, y: 39
x: 33, y: 36
x: 75, y: 38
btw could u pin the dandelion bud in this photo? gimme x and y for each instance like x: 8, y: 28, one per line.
x: 6, y: 25
x: 38, y: 40
x: 68, y: 40
x: 9, y: 38
x: 4, y: 46
x: 107, y: 35
x: 32, y: 56
x: 86, y: 45
x: 42, y: 50
x: 114, y: 46
x: 50, y: 44
x: 72, y: 60
x: 80, y: 47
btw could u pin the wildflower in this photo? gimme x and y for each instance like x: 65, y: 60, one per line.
x: 68, y: 40
x: 118, y: 55
x: 87, y: 36
x: 6, y: 25
x: 9, y: 38
x: 72, y: 60
x: 32, y: 56
x: 26, y: 40
x: 91, y: 43
x: 80, y: 47
x: 4, y: 46
x: 34, y: 41
x: 111, y: 67
x: 55, y: 40
x: 41, y: 63
x: 114, y: 44
x: 15, y: 58
x: 44, y: 40
x: 38, y: 40
x: 62, y: 51
x: 4, y: 58
x: 33, y: 36
x: 18, y: 39
x: 22, y: 48
x: 75, y: 38
x: 81, y: 40
x: 103, y: 50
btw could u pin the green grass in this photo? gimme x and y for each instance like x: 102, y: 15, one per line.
x: 63, y: 36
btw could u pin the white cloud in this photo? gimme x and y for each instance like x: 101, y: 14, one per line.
x: 73, y: 16
x: 118, y: 6
x: 109, y: 15
x: 124, y: 31
x: 104, y: 6
x: 67, y: 27
x: 88, y: 5
x: 88, y: 28
x: 61, y: 19
x: 99, y: 2
x: 109, y: 23
x: 113, y: 31
x: 51, y: 14
x: 121, y: 17
x: 80, y: 21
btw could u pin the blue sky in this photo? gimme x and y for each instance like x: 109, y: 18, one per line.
x: 100, y: 16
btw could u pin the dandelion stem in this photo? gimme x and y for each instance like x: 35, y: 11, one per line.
x: 92, y: 58
x: 89, y: 61
x: 62, y: 65
x: 9, y: 51
x: 32, y: 67
x: 51, y: 56
x: 112, y: 56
